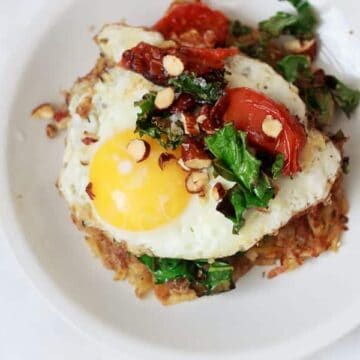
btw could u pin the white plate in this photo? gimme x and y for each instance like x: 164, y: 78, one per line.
x: 287, y: 317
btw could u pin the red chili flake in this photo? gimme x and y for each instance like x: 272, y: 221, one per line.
x: 89, y: 191
x: 89, y: 140
x: 214, y: 115
x: 60, y: 115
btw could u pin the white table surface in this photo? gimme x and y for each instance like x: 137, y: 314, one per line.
x: 29, y: 328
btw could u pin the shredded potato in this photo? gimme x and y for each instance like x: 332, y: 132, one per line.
x: 304, y: 237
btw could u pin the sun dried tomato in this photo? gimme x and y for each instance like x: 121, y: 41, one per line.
x: 146, y: 60
x: 185, y: 102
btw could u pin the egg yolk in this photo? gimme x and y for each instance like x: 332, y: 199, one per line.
x: 136, y: 196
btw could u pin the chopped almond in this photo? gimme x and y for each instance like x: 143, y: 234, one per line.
x: 173, y: 65
x: 89, y: 191
x: 183, y: 166
x: 198, y: 163
x: 60, y: 115
x: 51, y: 131
x: 89, y: 139
x: 167, y: 44
x: 271, y: 127
x: 43, y: 111
x: 302, y: 47
x: 191, y: 127
x: 196, y: 182
x: 138, y: 149
x: 164, y: 98
x: 83, y: 109
x: 194, y: 156
x: 165, y: 158
x: 218, y: 191
x: 201, y: 118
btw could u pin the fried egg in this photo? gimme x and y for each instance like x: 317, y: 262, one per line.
x: 149, y: 208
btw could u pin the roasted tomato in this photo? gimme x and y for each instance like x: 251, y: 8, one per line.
x: 146, y: 60
x: 194, y: 24
x: 248, y: 109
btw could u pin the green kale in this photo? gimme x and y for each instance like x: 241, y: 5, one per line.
x: 202, y: 89
x: 277, y: 166
x: 235, y: 162
x: 156, y: 124
x: 233, y: 207
x: 301, y: 25
x: 345, y: 165
x: 218, y: 277
x: 206, y: 278
x: 238, y: 29
x: 223, y: 171
x: 277, y: 24
x: 346, y: 98
x: 307, y: 21
x: 293, y: 66
x: 320, y: 105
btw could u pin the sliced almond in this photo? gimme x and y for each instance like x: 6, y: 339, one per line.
x: 271, y: 127
x: 43, y: 111
x: 196, y: 182
x: 164, y: 98
x: 51, y: 131
x: 138, y: 149
x: 191, y: 127
x: 173, y: 65
x: 218, y: 191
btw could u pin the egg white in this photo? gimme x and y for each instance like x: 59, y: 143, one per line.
x: 257, y: 75
x: 200, y: 231
x: 114, y: 39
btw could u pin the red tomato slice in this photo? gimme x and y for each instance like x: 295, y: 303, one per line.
x: 194, y: 24
x: 248, y: 108
x: 146, y: 60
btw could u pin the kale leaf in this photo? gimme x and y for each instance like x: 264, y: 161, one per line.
x: 235, y: 162
x: 238, y: 29
x: 202, y: 89
x: 293, y: 66
x: 206, y: 278
x: 346, y: 98
x: 277, y: 166
x: 301, y: 25
x: 320, y: 105
x: 157, y: 124
x: 218, y: 277
x: 277, y: 24
x: 306, y: 22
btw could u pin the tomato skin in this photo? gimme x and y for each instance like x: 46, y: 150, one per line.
x: 146, y: 60
x: 248, y: 108
x: 194, y: 24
